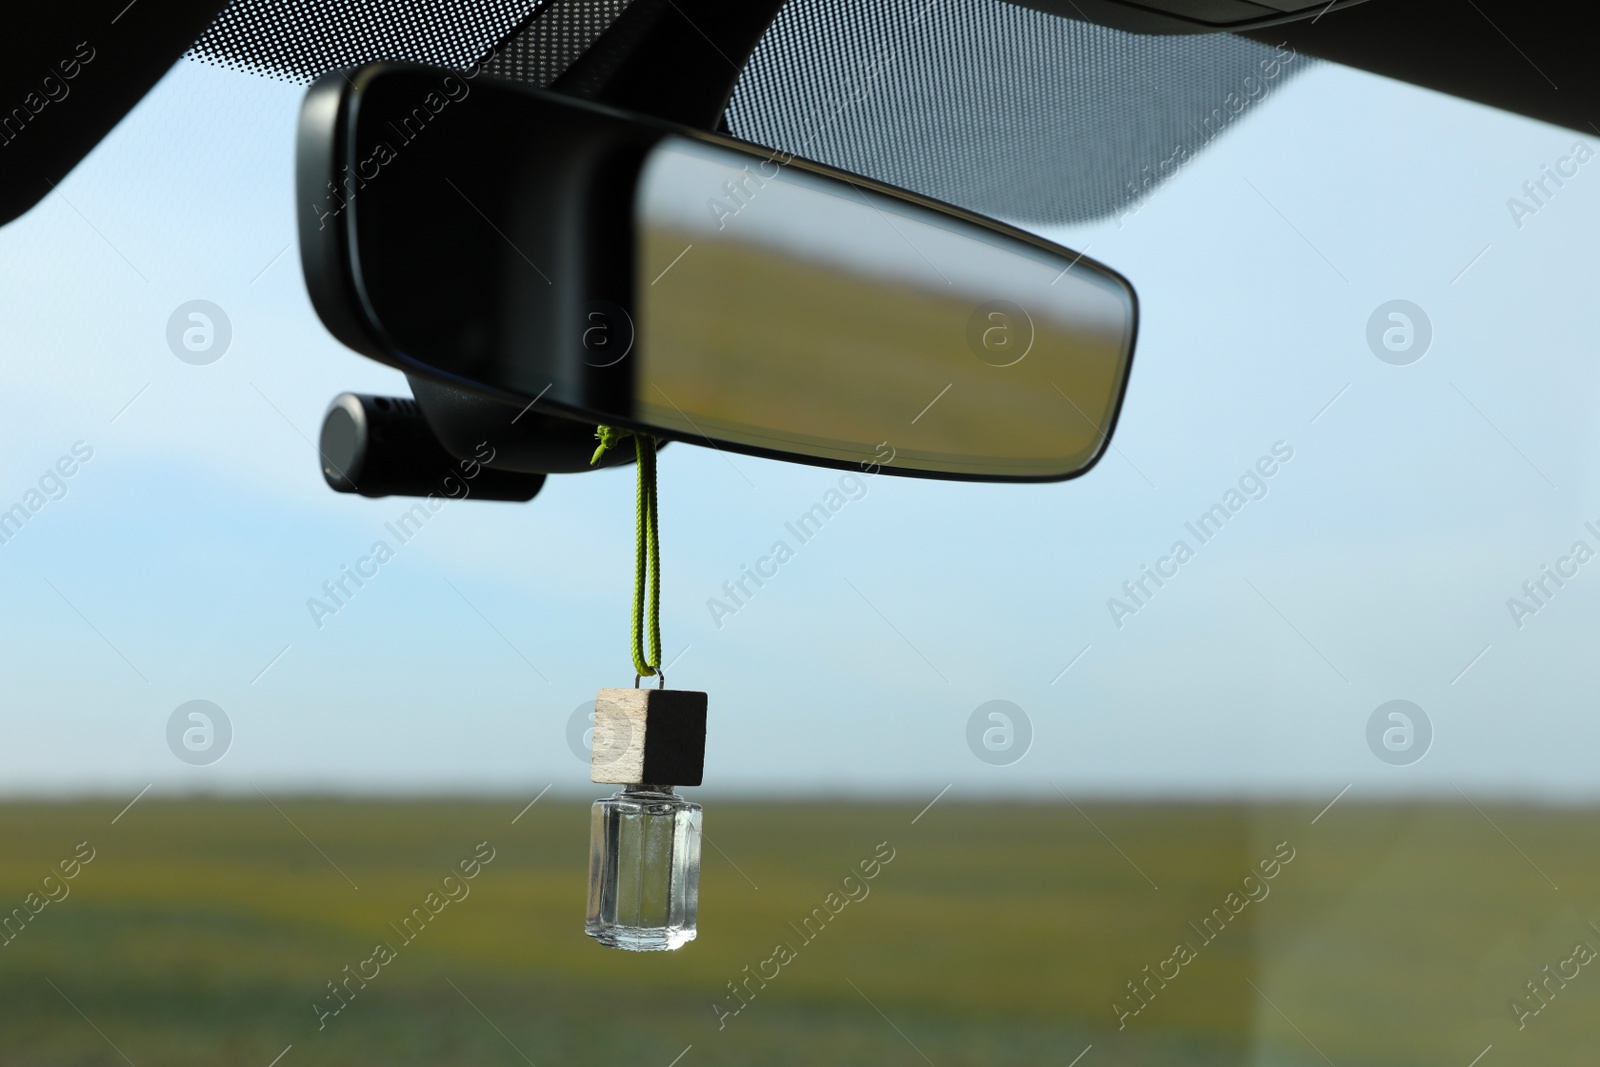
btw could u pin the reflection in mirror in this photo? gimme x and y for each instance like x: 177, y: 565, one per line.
x: 785, y: 310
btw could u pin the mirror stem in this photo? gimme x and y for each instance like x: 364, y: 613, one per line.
x: 674, y: 59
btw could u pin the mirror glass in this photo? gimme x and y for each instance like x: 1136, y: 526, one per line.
x: 786, y: 310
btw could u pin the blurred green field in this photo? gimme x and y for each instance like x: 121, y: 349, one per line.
x: 203, y: 931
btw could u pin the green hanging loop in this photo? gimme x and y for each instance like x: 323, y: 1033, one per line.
x: 647, y: 552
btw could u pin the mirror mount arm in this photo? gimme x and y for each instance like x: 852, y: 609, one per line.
x: 673, y: 59
x: 449, y: 443
x: 519, y: 437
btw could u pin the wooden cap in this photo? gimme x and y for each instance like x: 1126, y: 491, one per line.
x: 648, y: 737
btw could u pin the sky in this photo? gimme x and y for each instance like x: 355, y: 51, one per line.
x: 1408, y: 503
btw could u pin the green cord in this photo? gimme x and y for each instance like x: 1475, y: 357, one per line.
x: 647, y: 553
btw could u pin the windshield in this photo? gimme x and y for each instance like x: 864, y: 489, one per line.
x: 1265, y: 741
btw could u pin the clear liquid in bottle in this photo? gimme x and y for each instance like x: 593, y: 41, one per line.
x: 644, y: 870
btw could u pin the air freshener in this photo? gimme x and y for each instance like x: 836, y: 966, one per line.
x: 644, y: 842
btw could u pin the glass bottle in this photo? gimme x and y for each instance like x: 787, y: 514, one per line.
x: 644, y: 869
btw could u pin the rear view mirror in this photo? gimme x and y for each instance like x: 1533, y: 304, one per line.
x: 614, y: 269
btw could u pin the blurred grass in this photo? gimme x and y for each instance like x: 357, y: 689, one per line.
x: 204, y: 930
